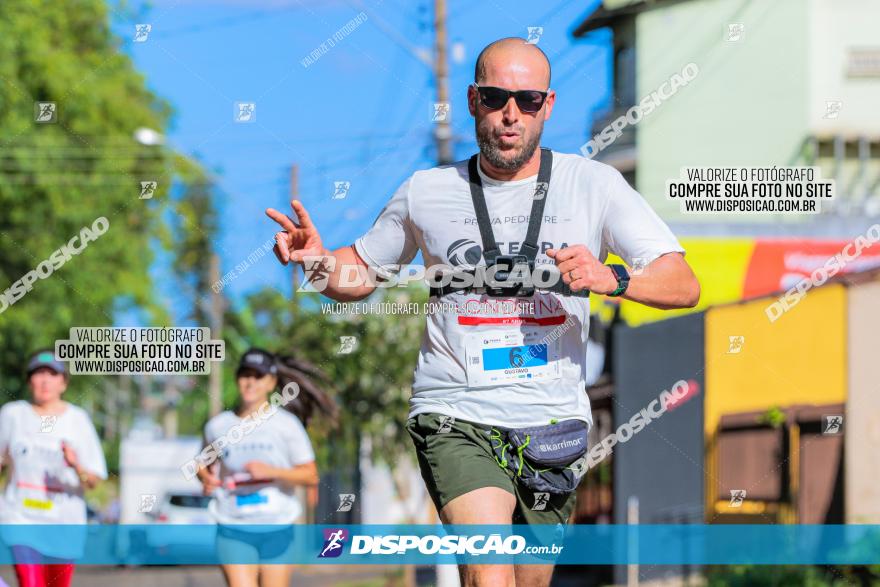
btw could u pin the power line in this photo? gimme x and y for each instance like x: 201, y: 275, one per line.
x: 418, y: 53
x: 219, y: 23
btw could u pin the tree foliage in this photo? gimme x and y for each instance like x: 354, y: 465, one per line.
x: 56, y: 178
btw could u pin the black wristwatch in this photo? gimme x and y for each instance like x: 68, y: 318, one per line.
x: 622, y: 280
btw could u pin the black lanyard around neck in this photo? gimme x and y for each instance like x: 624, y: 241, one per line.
x: 529, y: 246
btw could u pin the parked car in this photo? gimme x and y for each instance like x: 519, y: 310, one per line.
x: 183, y: 508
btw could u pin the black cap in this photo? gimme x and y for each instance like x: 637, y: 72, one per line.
x: 258, y: 360
x: 45, y: 358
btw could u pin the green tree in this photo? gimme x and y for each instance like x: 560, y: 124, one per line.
x: 194, y: 231
x: 58, y: 177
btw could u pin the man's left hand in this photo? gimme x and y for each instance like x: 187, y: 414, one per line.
x: 581, y: 270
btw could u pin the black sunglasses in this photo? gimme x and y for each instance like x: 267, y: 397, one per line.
x: 526, y: 100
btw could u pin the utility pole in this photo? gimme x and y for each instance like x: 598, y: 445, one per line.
x: 442, y: 129
x: 215, y: 379
x: 443, y: 135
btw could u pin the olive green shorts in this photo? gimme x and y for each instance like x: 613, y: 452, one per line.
x: 456, y: 457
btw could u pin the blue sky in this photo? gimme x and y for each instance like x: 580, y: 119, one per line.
x: 359, y: 113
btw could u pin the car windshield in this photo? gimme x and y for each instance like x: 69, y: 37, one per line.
x: 190, y: 501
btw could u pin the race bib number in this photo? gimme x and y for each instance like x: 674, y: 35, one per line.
x: 260, y: 502
x: 251, y: 499
x: 511, y: 356
x: 37, y: 503
x: 42, y: 505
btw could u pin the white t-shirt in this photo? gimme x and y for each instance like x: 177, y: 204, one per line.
x: 42, y: 488
x: 279, y: 440
x: 471, y: 364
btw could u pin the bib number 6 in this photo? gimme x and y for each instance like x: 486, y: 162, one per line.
x: 517, y: 358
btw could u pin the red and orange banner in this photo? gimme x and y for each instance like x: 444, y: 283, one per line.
x: 734, y: 269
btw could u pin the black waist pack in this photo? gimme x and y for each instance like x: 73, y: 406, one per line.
x: 549, y: 458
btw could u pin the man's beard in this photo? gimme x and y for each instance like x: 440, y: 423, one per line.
x: 491, y: 150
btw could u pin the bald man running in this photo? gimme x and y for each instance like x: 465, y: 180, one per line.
x: 501, y: 378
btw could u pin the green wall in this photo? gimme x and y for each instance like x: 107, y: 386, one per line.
x: 748, y: 106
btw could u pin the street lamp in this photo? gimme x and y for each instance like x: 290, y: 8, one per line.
x: 149, y: 137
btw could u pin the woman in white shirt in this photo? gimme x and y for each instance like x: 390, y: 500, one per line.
x: 54, y: 454
x: 254, y: 457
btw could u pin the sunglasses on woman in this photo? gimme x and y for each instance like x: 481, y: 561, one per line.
x: 526, y: 100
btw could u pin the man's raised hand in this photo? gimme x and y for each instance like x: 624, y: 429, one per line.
x: 293, y: 243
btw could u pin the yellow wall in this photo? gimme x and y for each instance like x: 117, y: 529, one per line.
x: 720, y: 266
x: 799, y: 359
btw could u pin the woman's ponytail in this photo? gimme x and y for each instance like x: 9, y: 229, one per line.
x: 311, y: 396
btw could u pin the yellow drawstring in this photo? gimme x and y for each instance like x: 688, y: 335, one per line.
x: 496, y: 435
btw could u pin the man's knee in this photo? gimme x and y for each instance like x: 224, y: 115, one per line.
x: 533, y: 575
x: 486, y: 575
